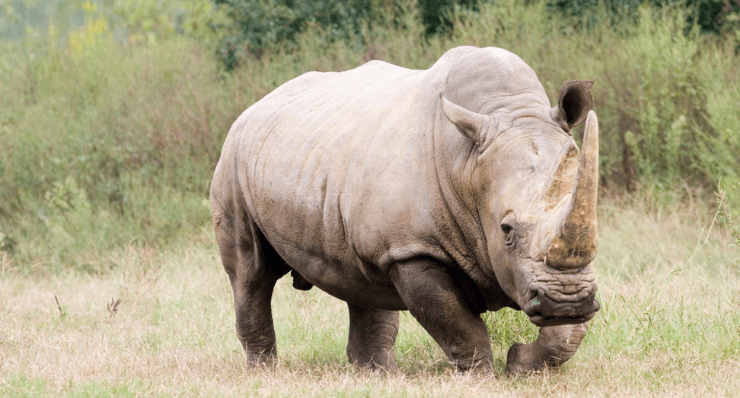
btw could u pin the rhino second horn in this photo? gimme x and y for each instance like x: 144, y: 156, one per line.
x: 574, y: 246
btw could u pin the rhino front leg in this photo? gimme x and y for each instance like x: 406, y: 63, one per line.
x: 446, y: 306
x: 554, y: 346
x: 372, y: 334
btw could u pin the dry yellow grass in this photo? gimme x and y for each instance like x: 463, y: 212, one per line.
x: 670, y: 326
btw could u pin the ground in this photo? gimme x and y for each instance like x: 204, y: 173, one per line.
x: 669, y: 326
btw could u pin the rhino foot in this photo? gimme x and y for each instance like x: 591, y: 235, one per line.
x: 372, y: 334
x: 554, y: 346
x: 256, y: 360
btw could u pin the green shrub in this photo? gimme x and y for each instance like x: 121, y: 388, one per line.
x: 592, y: 12
x: 260, y: 25
x: 712, y: 16
x: 728, y: 200
x: 263, y: 24
x: 108, y: 143
x: 436, y: 15
x: 661, y: 85
x: 104, y: 143
x: 6, y: 243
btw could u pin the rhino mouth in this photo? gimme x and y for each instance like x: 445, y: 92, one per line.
x: 544, y: 311
x: 541, y: 320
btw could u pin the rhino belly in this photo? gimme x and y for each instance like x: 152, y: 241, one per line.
x: 322, y: 259
x: 297, y: 206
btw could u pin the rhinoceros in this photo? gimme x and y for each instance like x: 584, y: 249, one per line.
x: 447, y: 192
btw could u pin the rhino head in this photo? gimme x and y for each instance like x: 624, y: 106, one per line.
x: 529, y: 187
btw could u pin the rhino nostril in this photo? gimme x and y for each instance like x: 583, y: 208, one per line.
x: 535, y: 303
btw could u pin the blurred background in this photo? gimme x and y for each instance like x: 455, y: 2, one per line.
x: 113, y: 112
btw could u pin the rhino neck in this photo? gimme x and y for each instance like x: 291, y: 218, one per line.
x: 463, y: 235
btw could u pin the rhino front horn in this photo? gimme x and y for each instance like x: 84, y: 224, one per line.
x: 574, y: 246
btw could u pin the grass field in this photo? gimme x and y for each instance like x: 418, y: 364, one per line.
x: 669, y: 326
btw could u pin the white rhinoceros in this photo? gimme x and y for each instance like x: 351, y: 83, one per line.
x: 446, y: 192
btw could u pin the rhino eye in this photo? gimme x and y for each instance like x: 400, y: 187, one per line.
x: 508, y: 234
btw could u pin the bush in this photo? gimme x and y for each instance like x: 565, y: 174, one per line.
x: 106, y: 143
x: 437, y: 15
x: 712, y: 16
x: 259, y: 25
x: 661, y: 83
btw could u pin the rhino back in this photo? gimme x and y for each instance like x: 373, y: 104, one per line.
x: 336, y: 171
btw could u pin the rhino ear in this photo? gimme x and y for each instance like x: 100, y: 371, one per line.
x: 574, y: 103
x: 469, y: 123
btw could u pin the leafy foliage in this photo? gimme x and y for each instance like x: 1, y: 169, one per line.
x: 667, y: 133
x: 437, y: 15
x: 6, y: 243
x: 107, y: 141
x: 269, y: 24
x: 146, y: 21
x: 725, y: 208
x: 712, y: 16
x: 98, y: 136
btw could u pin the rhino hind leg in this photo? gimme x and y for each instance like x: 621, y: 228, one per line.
x: 446, y: 305
x: 253, y: 267
x: 372, y: 335
x: 554, y: 346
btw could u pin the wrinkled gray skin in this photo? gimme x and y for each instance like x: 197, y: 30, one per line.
x: 445, y: 192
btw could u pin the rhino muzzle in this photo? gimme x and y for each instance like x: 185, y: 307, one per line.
x: 555, y: 297
x: 543, y: 310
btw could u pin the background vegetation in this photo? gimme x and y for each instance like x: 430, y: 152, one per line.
x: 111, y: 126
x: 112, y: 117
